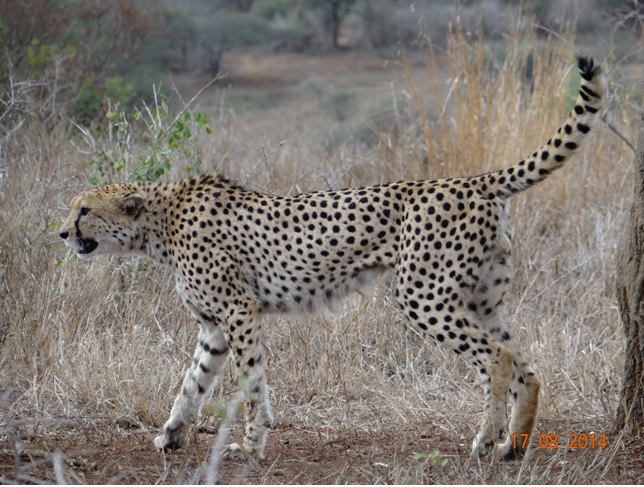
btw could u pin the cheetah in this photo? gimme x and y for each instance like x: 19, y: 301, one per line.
x: 238, y: 254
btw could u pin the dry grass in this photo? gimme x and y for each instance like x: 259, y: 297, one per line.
x: 103, y: 344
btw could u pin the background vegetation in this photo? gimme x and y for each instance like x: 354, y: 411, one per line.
x: 96, y: 350
x: 77, y: 52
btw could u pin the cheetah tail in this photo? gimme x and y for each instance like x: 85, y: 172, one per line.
x: 562, y: 145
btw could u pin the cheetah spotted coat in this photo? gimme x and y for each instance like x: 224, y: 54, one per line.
x: 238, y: 254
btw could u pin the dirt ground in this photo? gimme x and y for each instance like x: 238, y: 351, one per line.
x: 297, y: 454
x: 297, y: 89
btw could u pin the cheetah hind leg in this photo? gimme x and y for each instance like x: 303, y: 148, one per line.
x: 497, y: 372
x: 524, y: 395
x: 493, y: 361
x: 524, y: 392
x: 524, y: 386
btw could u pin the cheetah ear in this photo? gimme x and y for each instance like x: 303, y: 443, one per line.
x: 132, y: 205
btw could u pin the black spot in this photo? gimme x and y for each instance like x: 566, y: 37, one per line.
x: 584, y: 129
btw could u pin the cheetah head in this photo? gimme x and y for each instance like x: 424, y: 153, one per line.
x: 103, y: 221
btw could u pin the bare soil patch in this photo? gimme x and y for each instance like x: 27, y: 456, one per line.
x: 306, y: 454
x: 296, y: 454
x: 265, y: 70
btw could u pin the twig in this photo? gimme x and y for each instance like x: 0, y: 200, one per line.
x: 190, y: 103
x: 618, y: 133
x: 59, y: 470
x: 212, y: 468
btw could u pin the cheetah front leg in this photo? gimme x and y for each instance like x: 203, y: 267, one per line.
x: 209, y: 358
x: 245, y: 343
x: 257, y: 417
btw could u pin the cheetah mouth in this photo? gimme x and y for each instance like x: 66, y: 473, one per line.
x: 87, y: 246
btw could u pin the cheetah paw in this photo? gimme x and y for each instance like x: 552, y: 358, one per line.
x: 482, y: 447
x: 239, y: 453
x: 508, y: 452
x: 171, y: 439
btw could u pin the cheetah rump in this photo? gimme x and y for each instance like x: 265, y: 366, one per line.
x: 238, y: 254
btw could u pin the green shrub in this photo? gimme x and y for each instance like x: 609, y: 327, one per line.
x: 270, y: 9
x: 146, y: 144
x: 89, y: 103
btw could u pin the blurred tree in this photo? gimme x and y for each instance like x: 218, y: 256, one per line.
x: 334, y: 11
x: 630, y: 297
x: 628, y: 16
x: 73, y: 50
x: 215, y: 57
x: 242, y: 5
x: 377, y: 22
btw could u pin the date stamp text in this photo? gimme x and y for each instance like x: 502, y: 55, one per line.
x: 553, y: 441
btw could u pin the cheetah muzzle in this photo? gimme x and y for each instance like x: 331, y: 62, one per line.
x: 86, y: 246
x: 238, y: 254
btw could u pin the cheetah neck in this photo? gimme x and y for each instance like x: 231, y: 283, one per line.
x: 167, y: 207
x: 151, y: 238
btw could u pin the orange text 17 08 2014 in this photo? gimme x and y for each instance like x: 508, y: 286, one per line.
x: 553, y: 441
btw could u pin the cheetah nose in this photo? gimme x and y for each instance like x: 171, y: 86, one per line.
x: 64, y: 235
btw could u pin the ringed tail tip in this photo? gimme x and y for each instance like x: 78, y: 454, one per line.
x: 588, y: 67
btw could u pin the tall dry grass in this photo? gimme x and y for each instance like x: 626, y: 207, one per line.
x: 105, y: 343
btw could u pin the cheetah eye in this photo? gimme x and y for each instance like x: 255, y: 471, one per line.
x: 84, y: 211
